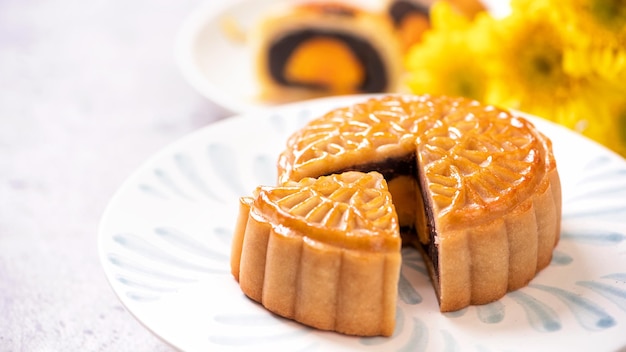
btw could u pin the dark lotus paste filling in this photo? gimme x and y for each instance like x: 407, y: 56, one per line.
x: 400, y: 9
x: 375, y: 72
x: 407, y: 166
x: 430, y: 248
x: 389, y: 168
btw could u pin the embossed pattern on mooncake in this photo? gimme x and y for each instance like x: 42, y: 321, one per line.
x: 479, y: 162
x: 345, y: 209
x: 375, y: 129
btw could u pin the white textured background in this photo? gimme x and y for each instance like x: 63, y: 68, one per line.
x: 88, y: 90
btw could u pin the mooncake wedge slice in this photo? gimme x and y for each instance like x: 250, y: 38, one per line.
x: 324, y: 252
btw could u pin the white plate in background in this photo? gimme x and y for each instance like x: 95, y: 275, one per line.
x: 214, y: 59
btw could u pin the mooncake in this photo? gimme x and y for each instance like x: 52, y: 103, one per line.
x: 324, y: 252
x: 474, y: 188
x: 321, y: 48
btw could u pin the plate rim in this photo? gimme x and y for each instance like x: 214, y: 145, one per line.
x: 185, y: 48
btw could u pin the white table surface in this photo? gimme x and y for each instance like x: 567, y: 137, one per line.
x: 88, y: 90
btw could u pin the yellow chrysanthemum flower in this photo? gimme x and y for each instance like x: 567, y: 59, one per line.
x: 597, y: 33
x: 564, y: 61
x: 530, y: 6
x: 447, y: 62
x: 529, y: 72
x: 528, y: 57
x: 595, y: 20
x: 530, y: 75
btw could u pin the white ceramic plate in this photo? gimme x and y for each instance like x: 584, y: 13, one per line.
x: 164, y: 243
x: 214, y: 59
x: 219, y: 65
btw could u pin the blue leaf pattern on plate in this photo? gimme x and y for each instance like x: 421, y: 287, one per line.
x: 604, y: 184
x: 147, y: 250
x: 619, y: 277
x: 187, y: 167
x: 605, y: 238
x: 128, y: 265
x: 152, y: 191
x: 153, y: 279
x: 247, y: 320
x: 560, y: 258
x: 412, y: 259
x: 139, y: 284
x: 186, y: 242
x: 614, y: 294
x: 590, y: 315
x: 142, y: 296
x: 491, y: 313
x: 222, y: 157
x: 540, y: 316
x: 406, y: 292
x: 168, y: 183
x: 450, y: 343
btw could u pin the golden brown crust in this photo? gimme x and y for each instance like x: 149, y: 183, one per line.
x: 289, y: 264
x: 350, y: 210
x: 237, y: 242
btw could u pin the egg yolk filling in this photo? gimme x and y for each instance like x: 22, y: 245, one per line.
x: 325, y: 62
x: 333, y: 61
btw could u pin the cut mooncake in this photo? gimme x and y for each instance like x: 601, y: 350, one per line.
x: 319, y: 48
x: 324, y: 252
x: 476, y: 188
